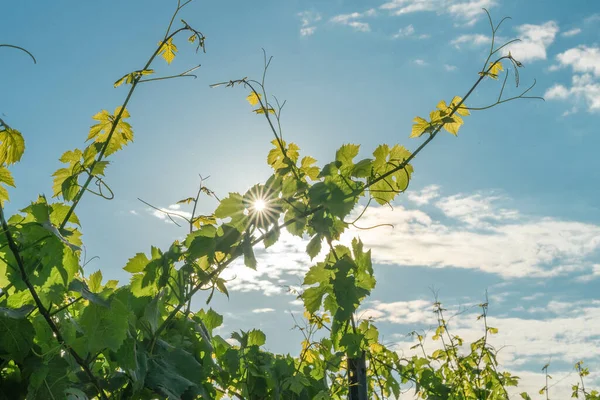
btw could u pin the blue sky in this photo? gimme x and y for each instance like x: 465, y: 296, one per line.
x: 510, y: 206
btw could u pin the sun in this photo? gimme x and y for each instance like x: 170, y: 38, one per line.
x: 259, y: 205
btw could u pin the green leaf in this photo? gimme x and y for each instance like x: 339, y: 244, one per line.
x: 81, y: 287
x: 230, y: 206
x: 6, y: 177
x: 306, y: 166
x: 95, y: 281
x: 137, y: 263
x: 249, y: 258
x: 122, y: 132
x: 314, y: 246
x: 362, y: 169
x: 271, y: 237
x: 12, y: 146
x: 174, y: 371
x: 103, y: 328
x: 16, y: 338
x: 49, y: 380
x: 152, y: 313
x: 313, y: 297
x: 211, y: 319
x: 16, y: 313
x: 318, y: 273
x: 256, y: 338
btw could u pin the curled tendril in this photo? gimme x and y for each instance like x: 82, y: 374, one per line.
x: 20, y: 48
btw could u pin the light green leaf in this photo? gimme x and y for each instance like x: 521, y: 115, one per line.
x: 12, y: 146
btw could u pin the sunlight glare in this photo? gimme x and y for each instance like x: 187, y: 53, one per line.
x: 260, y: 205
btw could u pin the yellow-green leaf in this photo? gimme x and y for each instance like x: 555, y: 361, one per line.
x: 495, y: 69
x: 462, y: 110
x: 95, y: 281
x: 12, y: 146
x: 122, y: 135
x: 168, y: 50
x: 419, y: 127
x: 6, y: 177
x: 262, y: 110
x: 253, y: 98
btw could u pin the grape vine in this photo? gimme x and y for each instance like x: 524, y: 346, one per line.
x: 65, y: 333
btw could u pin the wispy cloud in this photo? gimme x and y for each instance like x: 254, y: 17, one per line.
x: 571, y: 32
x: 263, y: 310
x: 471, y: 39
x: 308, y: 19
x: 353, y: 20
x: 584, y: 61
x: 409, y: 32
x: 425, y: 195
x: 534, y: 40
x: 464, y: 12
x: 449, y: 67
x: 163, y: 213
x: 421, y: 63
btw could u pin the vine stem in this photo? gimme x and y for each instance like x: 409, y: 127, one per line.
x: 15, y: 250
x: 113, y: 128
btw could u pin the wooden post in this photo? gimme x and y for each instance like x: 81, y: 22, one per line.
x: 357, y: 378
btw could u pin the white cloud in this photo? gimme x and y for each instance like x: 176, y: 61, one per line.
x: 477, y: 232
x: 309, y: 30
x: 409, y: 32
x: 480, y: 235
x: 585, y: 82
x: 464, y: 12
x: 581, y: 59
x: 535, y: 39
x: 571, y: 32
x: 470, y: 11
x: 425, y: 195
x: 263, y: 310
x: 449, y: 67
x: 173, y: 210
x: 421, y: 63
x: 472, y: 39
x: 352, y: 20
x: 475, y: 210
x: 308, y: 19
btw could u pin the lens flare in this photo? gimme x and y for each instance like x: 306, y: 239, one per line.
x: 260, y: 205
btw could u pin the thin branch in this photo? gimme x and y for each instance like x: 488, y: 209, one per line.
x: 181, y: 75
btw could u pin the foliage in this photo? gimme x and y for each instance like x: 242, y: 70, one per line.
x: 68, y: 334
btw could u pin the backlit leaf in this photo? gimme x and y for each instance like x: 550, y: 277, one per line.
x: 12, y: 146
x: 253, y: 98
x: 167, y: 50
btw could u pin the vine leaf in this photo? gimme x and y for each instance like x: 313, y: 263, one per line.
x: 12, y: 146
x: 167, y: 50
x: 16, y: 337
x: 7, y: 179
x: 122, y: 133
x: 253, y: 98
x: 102, y: 327
x: 132, y: 76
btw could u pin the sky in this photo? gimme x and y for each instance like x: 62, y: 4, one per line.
x: 509, y: 208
